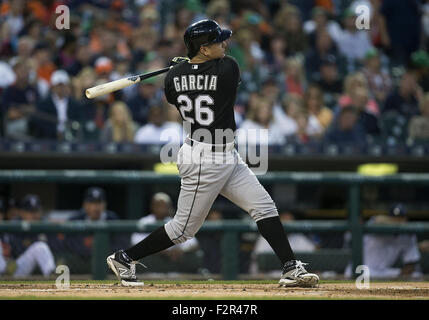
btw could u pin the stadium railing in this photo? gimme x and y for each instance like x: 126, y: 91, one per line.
x: 231, y: 229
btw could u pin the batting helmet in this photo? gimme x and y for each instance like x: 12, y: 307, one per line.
x: 203, y: 33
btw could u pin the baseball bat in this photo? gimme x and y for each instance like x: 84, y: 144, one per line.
x: 119, y: 84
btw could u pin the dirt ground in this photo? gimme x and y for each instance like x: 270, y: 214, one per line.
x: 391, y: 290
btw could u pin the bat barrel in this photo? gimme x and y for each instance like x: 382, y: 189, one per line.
x: 120, y: 84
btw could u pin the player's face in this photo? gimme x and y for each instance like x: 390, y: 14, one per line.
x: 160, y: 209
x: 216, y: 50
x: 94, y: 209
x: 30, y: 216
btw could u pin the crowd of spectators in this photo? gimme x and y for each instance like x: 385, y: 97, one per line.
x: 309, y: 75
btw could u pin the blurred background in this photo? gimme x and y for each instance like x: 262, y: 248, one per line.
x: 341, y: 105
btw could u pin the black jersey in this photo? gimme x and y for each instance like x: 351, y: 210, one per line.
x: 205, y: 93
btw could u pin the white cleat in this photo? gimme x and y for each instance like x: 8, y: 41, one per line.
x: 124, y: 269
x: 295, y: 275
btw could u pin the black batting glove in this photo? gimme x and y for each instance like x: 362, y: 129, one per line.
x: 177, y: 60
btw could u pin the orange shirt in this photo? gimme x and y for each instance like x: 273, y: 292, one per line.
x: 46, y: 71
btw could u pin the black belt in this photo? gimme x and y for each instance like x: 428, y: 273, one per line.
x: 214, y: 147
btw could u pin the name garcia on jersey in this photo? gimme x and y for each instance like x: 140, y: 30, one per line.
x: 192, y: 82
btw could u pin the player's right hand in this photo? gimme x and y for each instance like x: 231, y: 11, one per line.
x: 177, y: 60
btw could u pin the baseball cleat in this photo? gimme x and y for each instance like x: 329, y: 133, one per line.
x: 295, y: 275
x: 124, y: 268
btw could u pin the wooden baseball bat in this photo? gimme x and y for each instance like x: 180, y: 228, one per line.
x: 121, y: 83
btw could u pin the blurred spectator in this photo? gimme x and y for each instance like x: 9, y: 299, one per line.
x: 271, y: 91
x: 382, y: 252
x: 29, y: 250
x: 299, y: 242
x: 260, y: 118
x: 275, y: 57
x: 400, y: 42
x: 320, y: 23
x: 95, y: 111
x: 352, y: 42
x: 56, y: 113
x: 103, y: 67
x: 405, y: 98
x: 294, y: 76
x: 44, y: 67
x: 419, y: 66
x: 211, y: 244
x: 323, y: 50
x: 353, y: 82
x: 120, y: 126
x: 313, y: 103
x: 287, y: 115
x: 120, y: 71
x: 419, y: 124
x: 12, y: 212
x: 149, y: 18
x: 183, y: 17
x: 288, y: 22
x: 379, y: 80
x: 7, y: 76
x: 81, y: 81
x: 301, y: 135
x: 94, y: 207
x: 158, y: 130
x: 246, y: 50
x: 162, y: 211
x: 83, y: 59
x: 219, y: 10
x: 345, y: 130
x: 25, y: 48
x: 366, y: 120
x: 330, y: 81
x: 14, y: 17
x: 425, y: 23
x: 148, y: 95
x: 19, y: 103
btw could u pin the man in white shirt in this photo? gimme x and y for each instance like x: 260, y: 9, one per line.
x: 157, y: 130
x: 380, y: 252
x: 55, y: 113
x: 162, y: 210
x: 351, y: 42
x: 59, y: 81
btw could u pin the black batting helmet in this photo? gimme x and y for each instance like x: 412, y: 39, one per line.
x: 203, y: 33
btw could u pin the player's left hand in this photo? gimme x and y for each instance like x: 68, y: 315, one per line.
x: 177, y: 60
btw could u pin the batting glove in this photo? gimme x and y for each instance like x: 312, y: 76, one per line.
x: 177, y: 60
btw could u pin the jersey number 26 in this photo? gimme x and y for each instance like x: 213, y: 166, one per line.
x: 203, y: 114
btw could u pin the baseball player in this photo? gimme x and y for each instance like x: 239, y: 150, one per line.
x: 204, y: 89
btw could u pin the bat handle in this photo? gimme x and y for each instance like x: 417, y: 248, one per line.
x: 155, y: 73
